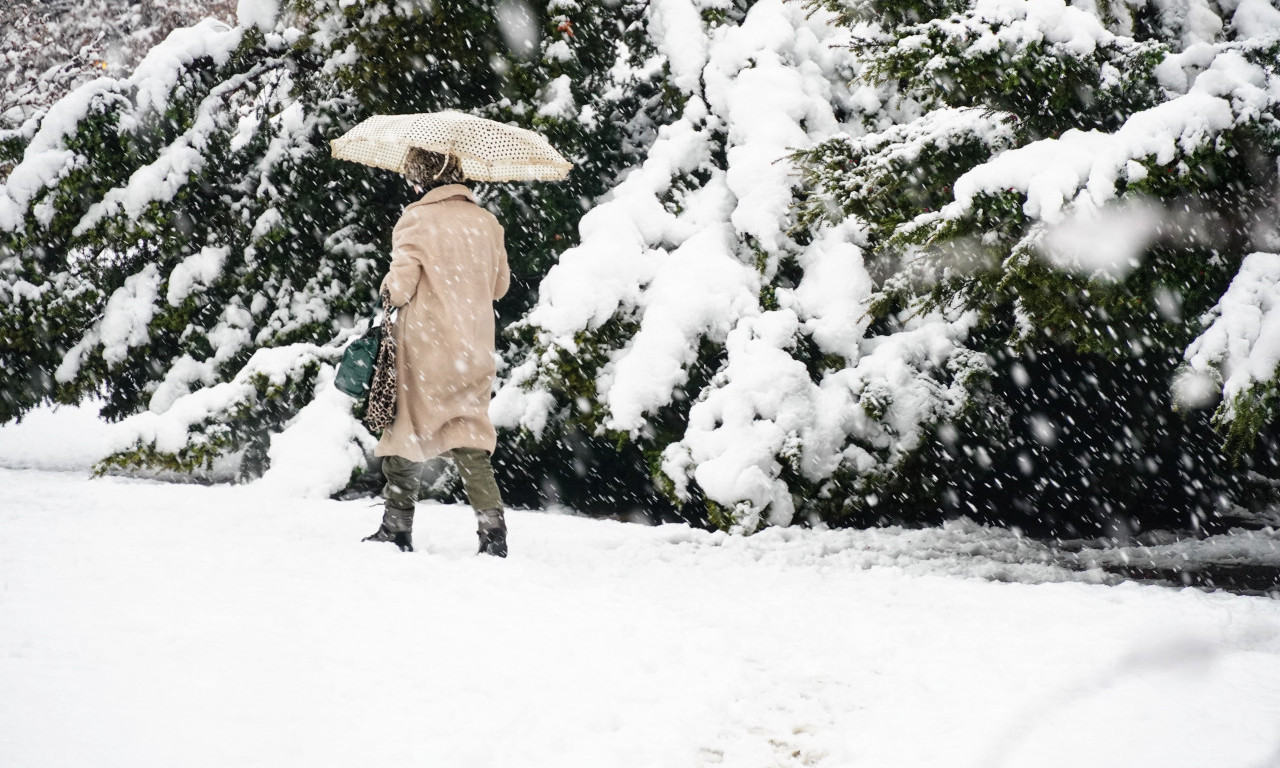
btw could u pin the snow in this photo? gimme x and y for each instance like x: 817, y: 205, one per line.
x: 196, y: 271
x: 754, y: 412
x: 1190, y: 21
x: 763, y: 409
x: 178, y: 380
x: 160, y: 180
x: 884, y: 403
x: 1107, y: 242
x: 127, y: 317
x: 1016, y: 24
x: 46, y: 157
x: 558, y: 51
x: 592, y: 280
x: 769, y: 81
x: 319, y: 449
x: 123, y: 326
x: 1256, y: 18
x: 558, y: 99
x: 227, y: 337
x: 1240, y: 347
x: 899, y: 146
x: 518, y: 27
x: 679, y: 34
x: 522, y: 409
x: 156, y: 75
x: 833, y: 296
x: 57, y: 438
x: 1177, y: 71
x: 295, y: 309
x: 640, y: 257
x: 312, y: 457
x: 700, y: 288
x: 149, y: 624
x: 257, y: 13
x: 292, y: 127
x: 156, y: 182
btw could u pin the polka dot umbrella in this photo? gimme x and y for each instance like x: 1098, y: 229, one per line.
x: 487, y: 150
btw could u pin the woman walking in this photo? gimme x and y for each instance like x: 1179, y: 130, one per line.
x: 448, y: 266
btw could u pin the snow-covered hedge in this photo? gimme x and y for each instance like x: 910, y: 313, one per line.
x: 842, y: 261
x: 892, y: 254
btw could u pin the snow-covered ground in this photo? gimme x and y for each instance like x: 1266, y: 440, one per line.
x: 148, y: 624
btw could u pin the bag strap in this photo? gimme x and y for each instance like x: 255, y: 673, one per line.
x: 387, y: 309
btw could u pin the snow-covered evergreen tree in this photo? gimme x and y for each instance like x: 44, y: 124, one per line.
x: 970, y: 292
x: 1087, y: 179
x: 47, y: 48
x: 702, y: 326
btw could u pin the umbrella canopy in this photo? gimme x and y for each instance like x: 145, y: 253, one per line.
x: 487, y: 150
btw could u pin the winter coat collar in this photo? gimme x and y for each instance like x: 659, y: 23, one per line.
x: 440, y: 194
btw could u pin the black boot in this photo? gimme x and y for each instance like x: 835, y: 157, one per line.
x: 493, y: 542
x: 491, y: 526
x: 402, y: 539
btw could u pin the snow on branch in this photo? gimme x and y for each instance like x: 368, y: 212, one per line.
x: 47, y: 160
x: 1239, y: 350
x: 1087, y: 167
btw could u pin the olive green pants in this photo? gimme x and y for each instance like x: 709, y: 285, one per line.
x: 404, y: 476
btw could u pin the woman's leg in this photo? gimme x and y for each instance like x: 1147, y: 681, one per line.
x: 401, y: 494
x: 482, y: 491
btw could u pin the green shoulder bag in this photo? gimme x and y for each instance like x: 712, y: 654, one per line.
x: 355, y: 372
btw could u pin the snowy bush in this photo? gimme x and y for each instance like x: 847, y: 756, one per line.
x: 839, y: 262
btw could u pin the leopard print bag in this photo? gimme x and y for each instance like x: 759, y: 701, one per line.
x: 381, y: 409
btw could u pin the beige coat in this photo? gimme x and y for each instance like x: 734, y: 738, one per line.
x: 448, y: 266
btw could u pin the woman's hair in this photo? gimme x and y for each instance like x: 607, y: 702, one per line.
x: 426, y: 169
